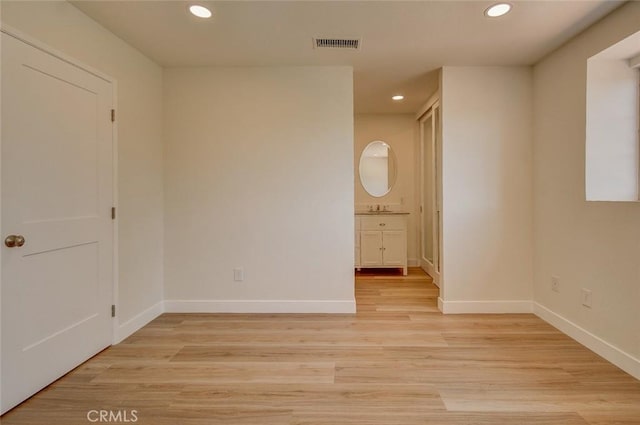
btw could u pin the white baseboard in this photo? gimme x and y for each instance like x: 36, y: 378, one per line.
x: 230, y: 306
x: 138, y: 321
x: 623, y: 360
x: 413, y: 262
x: 440, y: 304
x: 485, y: 307
x: 259, y: 306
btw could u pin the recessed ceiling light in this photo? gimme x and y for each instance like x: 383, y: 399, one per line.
x: 498, y: 9
x: 200, y: 11
x: 397, y: 97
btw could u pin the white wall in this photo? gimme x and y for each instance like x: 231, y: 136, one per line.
x: 139, y: 111
x: 487, y: 188
x: 593, y: 245
x: 258, y: 175
x: 399, y: 131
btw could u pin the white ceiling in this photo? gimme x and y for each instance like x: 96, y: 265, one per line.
x: 403, y: 42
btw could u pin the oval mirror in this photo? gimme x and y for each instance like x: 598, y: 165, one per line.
x: 377, y: 168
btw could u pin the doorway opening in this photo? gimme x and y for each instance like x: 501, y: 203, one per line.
x: 386, y: 292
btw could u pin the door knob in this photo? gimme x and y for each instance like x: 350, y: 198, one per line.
x: 14, y: 240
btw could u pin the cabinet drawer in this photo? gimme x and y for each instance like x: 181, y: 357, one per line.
x: 382, y: 223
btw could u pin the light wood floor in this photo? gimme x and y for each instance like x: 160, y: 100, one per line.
x: 396, y: 362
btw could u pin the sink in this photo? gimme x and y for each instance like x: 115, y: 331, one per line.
x: 379, y: 212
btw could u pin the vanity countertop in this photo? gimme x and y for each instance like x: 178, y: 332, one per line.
x: 381, y: 213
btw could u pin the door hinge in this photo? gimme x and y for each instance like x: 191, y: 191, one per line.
x: 113, y: 115
x: 113, y: 213
x: 113, y: 310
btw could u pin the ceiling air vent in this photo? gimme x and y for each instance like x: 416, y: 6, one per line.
x: 336, y: 43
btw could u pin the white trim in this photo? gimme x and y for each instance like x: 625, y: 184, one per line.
x: 413, y: 262
x: 116, y: 222
x: 138, y: 321
x: 441, y: 304
x: 1, y: 233
x: 622, y: 359
x: 486, y: 307
x: 429, y: 269
x: 259, y: 306
x: 34, y: 42
x: 425, y: 264
x: 435, y: 97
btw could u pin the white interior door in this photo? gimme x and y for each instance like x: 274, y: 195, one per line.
x: 431, y: 193
x: 437, y: 189
x: 426, y: 192
x: 57, y: 190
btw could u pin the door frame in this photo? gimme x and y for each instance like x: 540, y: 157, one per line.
x: 426, y: 264
x: 428, y: 112
x: 33, y: 42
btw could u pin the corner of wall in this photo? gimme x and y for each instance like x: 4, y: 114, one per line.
x: 132, y: 325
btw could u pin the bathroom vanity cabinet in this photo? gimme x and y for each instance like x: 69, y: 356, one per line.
x: 381, y: 240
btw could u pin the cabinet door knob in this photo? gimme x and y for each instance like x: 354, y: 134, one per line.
x: 382, y: 224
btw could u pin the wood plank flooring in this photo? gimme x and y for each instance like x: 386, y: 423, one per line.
x: 398, y: 361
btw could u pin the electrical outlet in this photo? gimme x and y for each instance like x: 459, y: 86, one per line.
x: 238, y: 274
x: 586, y: 297
x: 555, y: 283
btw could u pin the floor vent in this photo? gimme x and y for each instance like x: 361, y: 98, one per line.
x: 336, y: 43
